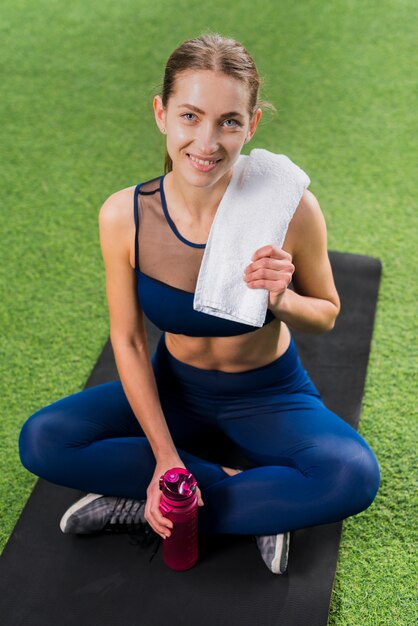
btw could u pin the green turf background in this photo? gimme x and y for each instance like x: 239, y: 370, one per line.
x: 77, y: 83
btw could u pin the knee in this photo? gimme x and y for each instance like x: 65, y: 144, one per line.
x: 371, y: 476
x: 35, y: 439
x: 361, y: 474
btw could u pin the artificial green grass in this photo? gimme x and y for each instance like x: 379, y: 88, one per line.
x: 77, y: 125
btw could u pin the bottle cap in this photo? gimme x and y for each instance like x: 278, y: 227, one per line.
x: 178, y: 483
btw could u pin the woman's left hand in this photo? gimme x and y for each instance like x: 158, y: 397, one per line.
x: 270, y: 268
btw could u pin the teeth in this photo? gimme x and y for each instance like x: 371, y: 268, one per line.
x: 200, y: 161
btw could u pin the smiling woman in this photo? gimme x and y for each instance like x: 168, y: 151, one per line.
x: 228, y: 59
x: 211, y: 137
x: 208, y: 373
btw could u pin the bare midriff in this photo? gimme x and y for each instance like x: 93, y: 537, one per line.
x: 231, y: 354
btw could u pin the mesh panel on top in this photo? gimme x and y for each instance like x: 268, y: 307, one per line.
x: 162, y: 254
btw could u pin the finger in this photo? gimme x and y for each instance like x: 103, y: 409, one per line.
x: 163, y: 528
x: 279, y: 265
x: 167, y: 529
x: 271, y: 251
x: 275, y: 286
x: 265, y: 273
x: 163, y: 522
x: 157, y: 521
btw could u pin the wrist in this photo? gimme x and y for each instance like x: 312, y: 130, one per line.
x: 167, y: 456
x: 281, y: 307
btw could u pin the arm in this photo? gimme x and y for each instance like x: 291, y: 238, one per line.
x: 127, y: 330
x: 130, y: 347
x: 314, y: 304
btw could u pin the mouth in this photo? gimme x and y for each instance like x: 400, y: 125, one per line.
x: 203, y: 165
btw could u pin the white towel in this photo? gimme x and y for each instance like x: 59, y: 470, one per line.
x: 255, y: 210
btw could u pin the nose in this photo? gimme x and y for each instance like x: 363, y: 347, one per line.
x: 207, y: 140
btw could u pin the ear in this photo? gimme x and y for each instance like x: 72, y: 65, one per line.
x: 159, y: 112
x: 254, y: 123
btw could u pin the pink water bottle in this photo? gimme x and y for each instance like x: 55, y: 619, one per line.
x: 179, y: 504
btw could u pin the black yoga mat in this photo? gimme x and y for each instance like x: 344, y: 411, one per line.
x: 49, y: 578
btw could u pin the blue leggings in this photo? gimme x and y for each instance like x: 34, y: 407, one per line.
x: 311, y: 467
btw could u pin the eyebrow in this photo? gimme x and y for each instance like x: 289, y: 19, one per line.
x: 194, y: 108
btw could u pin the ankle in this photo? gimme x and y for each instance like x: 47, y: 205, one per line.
x: 230, y: 470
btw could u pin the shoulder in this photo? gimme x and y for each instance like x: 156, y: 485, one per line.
x: 117, y: 210
x: 307, y: 227
x: 308, y: 215
x: 307, y: 209
x: 117, y: 225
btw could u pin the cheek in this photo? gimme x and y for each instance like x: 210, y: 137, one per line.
x: 179, y: 135
x: 236, y: 140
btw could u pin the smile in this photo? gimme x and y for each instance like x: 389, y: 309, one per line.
x: 203, y: 165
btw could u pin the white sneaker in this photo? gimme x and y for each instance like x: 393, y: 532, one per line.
x: 274, y: 550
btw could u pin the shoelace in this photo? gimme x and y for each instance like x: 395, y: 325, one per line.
x: 125, y: 512
x: 122, y: 520
x: 147, y: 539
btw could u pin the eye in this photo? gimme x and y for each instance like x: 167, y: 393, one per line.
x: 236, y: 122
x: 187, y: 114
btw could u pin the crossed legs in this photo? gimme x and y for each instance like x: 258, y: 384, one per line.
x: 313, y: 467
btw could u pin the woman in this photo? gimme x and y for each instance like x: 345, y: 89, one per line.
x: 115, y: 440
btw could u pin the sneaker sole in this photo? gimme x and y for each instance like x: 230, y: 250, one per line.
x: 90, y: 497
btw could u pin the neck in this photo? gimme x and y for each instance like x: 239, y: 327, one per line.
x: 200, y: 203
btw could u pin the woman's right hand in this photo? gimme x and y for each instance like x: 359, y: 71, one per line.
x: 152, y: 513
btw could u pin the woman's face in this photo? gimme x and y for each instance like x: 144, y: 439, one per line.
x: 206, y: 119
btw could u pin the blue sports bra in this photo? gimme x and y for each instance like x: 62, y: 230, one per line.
x: 167, y: 266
